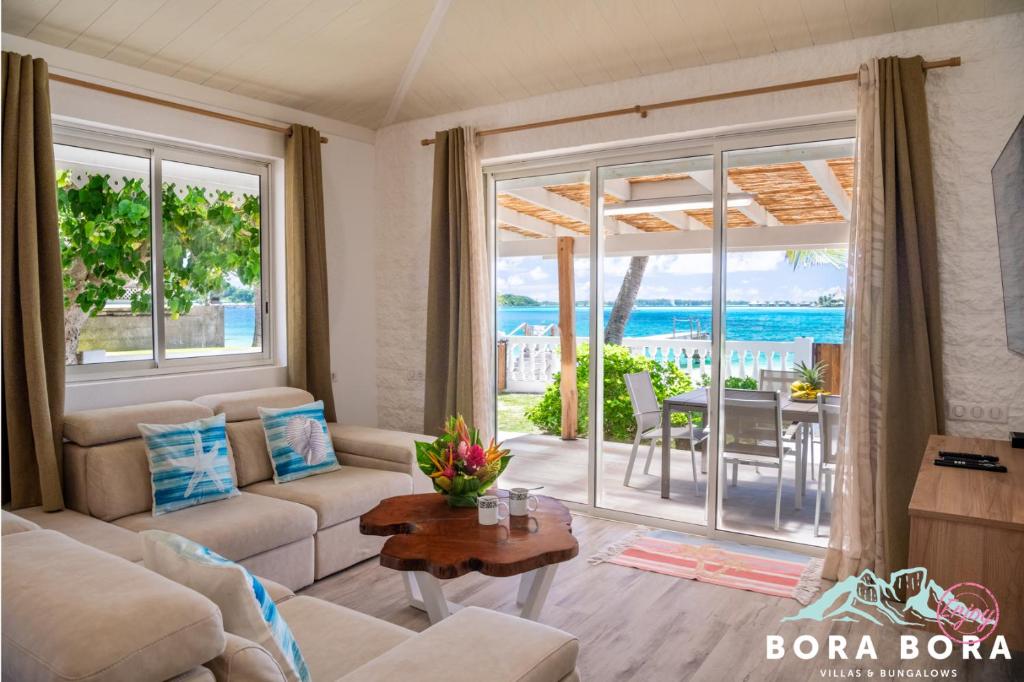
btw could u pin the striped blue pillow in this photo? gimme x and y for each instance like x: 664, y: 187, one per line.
x: 298, y: 441
x: 247, y: 609
x: 188, y: 463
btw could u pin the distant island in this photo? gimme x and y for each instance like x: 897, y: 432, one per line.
x: 825, y: 301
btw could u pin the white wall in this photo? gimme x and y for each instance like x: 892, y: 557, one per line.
x: 348, y: 160
x: 972, y: 110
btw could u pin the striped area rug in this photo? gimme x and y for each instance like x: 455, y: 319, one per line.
x: 744, y: 567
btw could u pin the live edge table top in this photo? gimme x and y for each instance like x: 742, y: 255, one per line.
x: 428, y: 535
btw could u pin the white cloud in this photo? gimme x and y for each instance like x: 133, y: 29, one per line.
x: 538, y: 274
x: 700, y: 263
x: 515, y: 281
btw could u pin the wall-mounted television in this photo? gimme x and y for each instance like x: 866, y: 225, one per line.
x: 1008, y: 189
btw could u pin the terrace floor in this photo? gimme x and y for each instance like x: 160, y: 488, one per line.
x: 561, y: 467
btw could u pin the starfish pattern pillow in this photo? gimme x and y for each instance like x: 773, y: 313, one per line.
x: 298, y: 441
x: 188, y: 463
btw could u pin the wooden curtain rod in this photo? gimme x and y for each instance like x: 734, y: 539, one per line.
x: 643, y: 109
x: 89, y: 85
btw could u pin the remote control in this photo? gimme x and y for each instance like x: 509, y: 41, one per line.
x: 968, y: 455
x: 970, y: 464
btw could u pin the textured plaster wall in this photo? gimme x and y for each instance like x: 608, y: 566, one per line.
x: 972, y: 109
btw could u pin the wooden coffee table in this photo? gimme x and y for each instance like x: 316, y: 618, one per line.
x: 431, y: 541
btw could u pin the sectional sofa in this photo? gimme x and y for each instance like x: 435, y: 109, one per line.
x: 78, y: 604
x: 293, y: 533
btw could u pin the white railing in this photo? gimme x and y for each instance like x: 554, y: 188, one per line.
x: 531, y: 361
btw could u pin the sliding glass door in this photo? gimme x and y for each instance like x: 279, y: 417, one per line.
x: 675, y: 280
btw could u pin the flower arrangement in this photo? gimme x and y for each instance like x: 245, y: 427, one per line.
x: 461, y: 468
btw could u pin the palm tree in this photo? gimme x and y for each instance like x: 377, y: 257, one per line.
x: 624, y: 302
x: 804, y: 258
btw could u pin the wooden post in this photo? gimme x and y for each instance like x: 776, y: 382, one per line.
x: 501, y: 365
x: 567, y: 329
x: 832, y: 355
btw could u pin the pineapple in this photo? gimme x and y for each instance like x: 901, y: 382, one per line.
x: 811, y: 383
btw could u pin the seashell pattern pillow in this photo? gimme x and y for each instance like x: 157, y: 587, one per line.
x: 298, y: 441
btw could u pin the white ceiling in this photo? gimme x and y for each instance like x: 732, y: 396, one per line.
x: 356, y: 60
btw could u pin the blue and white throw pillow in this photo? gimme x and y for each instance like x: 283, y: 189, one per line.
x: 298, y: 441
x: 247, y: 609
x: 188, y: 463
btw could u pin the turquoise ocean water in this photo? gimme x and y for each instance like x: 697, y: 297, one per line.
x: 239, y: 323
x: 742, y: 323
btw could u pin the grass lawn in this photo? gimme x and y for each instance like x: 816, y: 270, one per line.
x: 512, y: 411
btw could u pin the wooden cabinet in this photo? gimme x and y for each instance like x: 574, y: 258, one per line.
x: 968, y: 526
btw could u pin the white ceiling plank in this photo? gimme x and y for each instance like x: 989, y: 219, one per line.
x: 123, y: 17
x: 709, y: 32
x: 68, y: 20
x: 829, y: 184
x: 662, y: 21
x: 911, y: 14
x: 187, y: 46
x: 160, y: 28
x: 869, y: 17
x: 827, y: 21
x: 419, y: 53
x: 785, y: 23
x: 747, y: 27
x: 637, y: 40
x: 961, y: 10
x: 21, y: 16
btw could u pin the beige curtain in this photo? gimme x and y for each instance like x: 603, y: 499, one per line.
x: 460, y: 351
x: 309, y: 328
x: 33, y: 295
x: 892, y: 371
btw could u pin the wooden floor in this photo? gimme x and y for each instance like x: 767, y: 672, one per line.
x: 561, y: 467
x: 636, y: 625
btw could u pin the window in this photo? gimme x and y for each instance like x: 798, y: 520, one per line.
x: 196, y: 250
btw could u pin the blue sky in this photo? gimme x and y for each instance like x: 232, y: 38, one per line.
x: 752, y: 276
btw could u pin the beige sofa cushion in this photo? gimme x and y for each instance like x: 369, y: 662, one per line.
x: 339, y: 495
x: 111, y: 424
x: 335, y: 640
x: 235, y: 528
x: 108, y: 481
x: 15, y: 524
x: 242, y: 405
x: 245, y: 661
x: 523, y: 650
x: 197, y: 674
x: 249, y: 445
x: 59, y: 594
x: 89, y: 531
x: 393, y: 446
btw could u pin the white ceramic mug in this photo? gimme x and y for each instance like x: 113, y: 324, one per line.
x: 521, y: 502
x: 489, y: 510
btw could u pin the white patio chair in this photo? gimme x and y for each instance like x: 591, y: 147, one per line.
x: 828, y: 422
x: 780, y: 380
x: 752, y: 426
x: 647, y: 412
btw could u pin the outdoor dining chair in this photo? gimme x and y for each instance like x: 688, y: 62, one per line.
x: 780, y: 380
x: 752, y: 426
x: 828, y: 422
x: 647, y: 412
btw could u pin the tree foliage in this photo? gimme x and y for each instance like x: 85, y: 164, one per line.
x: 105, y: 237
x: 619, y: 425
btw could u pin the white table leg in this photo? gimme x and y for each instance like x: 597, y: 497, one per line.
x: 800, y: 470
x: 425, y: 593
x: 533, y: 590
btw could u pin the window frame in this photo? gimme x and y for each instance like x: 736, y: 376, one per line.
x: 157, y: 151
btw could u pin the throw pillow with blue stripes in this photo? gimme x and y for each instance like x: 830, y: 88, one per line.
x: 247, y: 609
x: 188, y: 463
x: 298, y: 441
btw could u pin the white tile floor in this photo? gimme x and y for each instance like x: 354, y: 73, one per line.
x: 561, y: 467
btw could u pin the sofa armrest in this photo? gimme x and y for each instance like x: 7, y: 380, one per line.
x: 517, y: 650
x: 380, y: 449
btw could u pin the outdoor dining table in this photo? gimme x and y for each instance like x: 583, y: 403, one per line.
x: 697, y: 401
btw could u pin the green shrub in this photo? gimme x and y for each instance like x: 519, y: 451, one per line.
x: 749, y: 383
x: 619, y: 425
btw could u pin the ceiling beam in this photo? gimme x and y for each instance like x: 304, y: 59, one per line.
x: 755, y: 211
x: 525, y: 221
x: 542, y: 198
x: 419, y: 54
x: 809, y: 236
x: 829, y: 183
x: 622, y: 190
